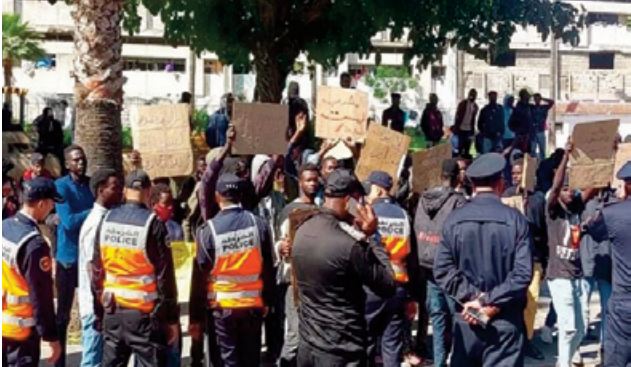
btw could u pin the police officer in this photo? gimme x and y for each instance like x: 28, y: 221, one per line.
x: 614, y: 224
x: 233, y: 276
x: 134, y: 282
x: 386, y: 316
x: 484, y: 263
x: 28, y: 313
x: 332, y: 259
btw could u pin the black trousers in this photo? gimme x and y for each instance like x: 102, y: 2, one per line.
x: 617, y: 346
x: 129, y: 331
x: 311, y: 357
x: 66, y: 280
x: 501, y: 343
x: 21, y: 353
x: 239, y: 336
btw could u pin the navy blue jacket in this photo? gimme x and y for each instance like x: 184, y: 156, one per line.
x: 32, y: 260
x: 486, y: 247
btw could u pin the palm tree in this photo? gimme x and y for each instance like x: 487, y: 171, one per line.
x: 19, y: 42
x: 98, y: 73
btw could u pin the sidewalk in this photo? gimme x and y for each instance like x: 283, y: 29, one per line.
x: 589, y: 350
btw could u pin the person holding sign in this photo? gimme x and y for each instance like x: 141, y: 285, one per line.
x: 567, y: 286
x: 614, y: 223
x: 534, y: 210
x: 484, y: 262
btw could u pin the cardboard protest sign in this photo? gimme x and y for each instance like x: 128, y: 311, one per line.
x: 529, y: 172
x: 341, y: 113
x: 516, y: 202
x: 260, y: 128
x: 427, y: 166
x: 592, y: 159
x: 383, y: 151
x: 162, y: 135
x: 623, y: 155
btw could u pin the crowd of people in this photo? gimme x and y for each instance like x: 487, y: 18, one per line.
x: 333, y: 270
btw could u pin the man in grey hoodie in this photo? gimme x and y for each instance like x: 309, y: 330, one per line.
x: 432, y: 211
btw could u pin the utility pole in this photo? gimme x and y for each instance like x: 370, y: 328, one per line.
x: 554, y: 91
x: 192, y: 61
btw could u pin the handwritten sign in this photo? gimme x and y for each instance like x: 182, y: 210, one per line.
x: 427, y: 165
x: 529, y: 172
x: 161, y: 133
x: 384, y: 151
x: 623, y: 155
x: 592, y: 160
x: 516, y: 202
x: 341, y: 113
x: 260, y: 128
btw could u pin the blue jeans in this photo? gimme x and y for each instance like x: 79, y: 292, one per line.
x: 538, y: 141
x: 91, y: 343
x: 570, y: 301
x: 440, y: 308
x: 604, y: 289
x: 491, y: 145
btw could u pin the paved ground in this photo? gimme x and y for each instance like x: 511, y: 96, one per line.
x: 589, y: 349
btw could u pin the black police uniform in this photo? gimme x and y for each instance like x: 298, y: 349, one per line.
x: 331, y: 262
x: 237, y: 325
x: 35, y: 265
x: 485, y: 253
x: 614, y: 223
x: 128, y: 330
x: 20, y: 233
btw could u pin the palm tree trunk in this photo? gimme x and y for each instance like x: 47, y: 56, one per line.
x: 7, y: 69
x: 98, y: 72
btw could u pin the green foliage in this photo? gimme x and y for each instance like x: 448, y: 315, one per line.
x: 200, y: 121
x: 128, y: 143
x: 387, y: 79
x: 19, y: 41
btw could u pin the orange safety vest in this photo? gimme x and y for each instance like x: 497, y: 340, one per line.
x: 129, y: 275
x: 17, y: 310
x: 235, y: 281
x: 395, y: 237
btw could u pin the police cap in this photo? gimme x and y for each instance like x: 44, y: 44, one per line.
x: 41, y: 188
x: 625, y: 172
x: 487, y: 166
x: 229, y: 185
x: 342, y: 182
x: 381, y: 179
x: 137, y: 180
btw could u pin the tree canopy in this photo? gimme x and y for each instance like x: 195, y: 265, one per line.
x: 274, y: 33
x: 19, y: 42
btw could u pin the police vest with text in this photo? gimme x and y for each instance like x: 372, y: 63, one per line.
x: 394, y: 229
x: 17, y: 310
x: 235, y: 280
x: 129, y: 275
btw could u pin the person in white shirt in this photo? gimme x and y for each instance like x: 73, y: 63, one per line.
x: 107, y: 187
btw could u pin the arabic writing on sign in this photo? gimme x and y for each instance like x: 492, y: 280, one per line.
x: 341, y: 113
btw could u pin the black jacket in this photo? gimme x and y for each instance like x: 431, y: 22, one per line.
x: 432, y: 211
x: 332, y: 262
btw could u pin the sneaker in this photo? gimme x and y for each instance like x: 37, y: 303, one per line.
x: 577, y: 359
x: 533, y: 352
x: 546, y: 335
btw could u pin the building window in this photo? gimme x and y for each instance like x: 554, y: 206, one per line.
x: 152, y: 64
x: 504, y: 59
x: 603, y: 18
x: 438, y: 71
x: 601, y: 60
x: 544, y: 81
x: 48, y: 62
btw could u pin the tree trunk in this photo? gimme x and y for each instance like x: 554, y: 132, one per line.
x: 98, y: 72
x: 7, y: 69
x: 271, y: 72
